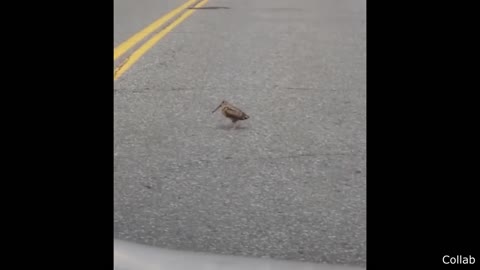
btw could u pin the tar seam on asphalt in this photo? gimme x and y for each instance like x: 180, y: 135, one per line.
x: 208, y: 8
x: 120, y: 66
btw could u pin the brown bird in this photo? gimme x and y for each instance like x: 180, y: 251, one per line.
x: 231, y: 112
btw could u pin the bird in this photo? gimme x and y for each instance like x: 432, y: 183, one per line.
x: 231, y: 112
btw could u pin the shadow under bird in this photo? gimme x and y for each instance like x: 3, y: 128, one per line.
x: 231, y: 112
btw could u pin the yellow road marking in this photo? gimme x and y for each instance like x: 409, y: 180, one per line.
x: 152, y: 41
x: 127, y: 45
x: 120, y: 66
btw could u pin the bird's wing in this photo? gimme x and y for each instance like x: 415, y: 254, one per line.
x: 234, y: 113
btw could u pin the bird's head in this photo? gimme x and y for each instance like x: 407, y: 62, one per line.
x: 224, y: 102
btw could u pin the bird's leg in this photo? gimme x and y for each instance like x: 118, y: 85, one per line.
x: 234, y: 124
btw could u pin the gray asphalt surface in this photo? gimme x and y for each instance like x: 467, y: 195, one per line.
x: 290, y: 183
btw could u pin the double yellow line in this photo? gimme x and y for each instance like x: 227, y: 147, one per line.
x: 135, y: 39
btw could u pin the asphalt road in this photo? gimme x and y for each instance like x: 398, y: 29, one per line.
x: 290, y: 183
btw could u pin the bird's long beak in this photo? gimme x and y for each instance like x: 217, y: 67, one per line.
x: 217, y: 108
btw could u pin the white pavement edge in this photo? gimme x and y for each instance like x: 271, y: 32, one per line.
x: 132, y: 256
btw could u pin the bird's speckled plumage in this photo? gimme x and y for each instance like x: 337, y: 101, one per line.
x: 231, y: 112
